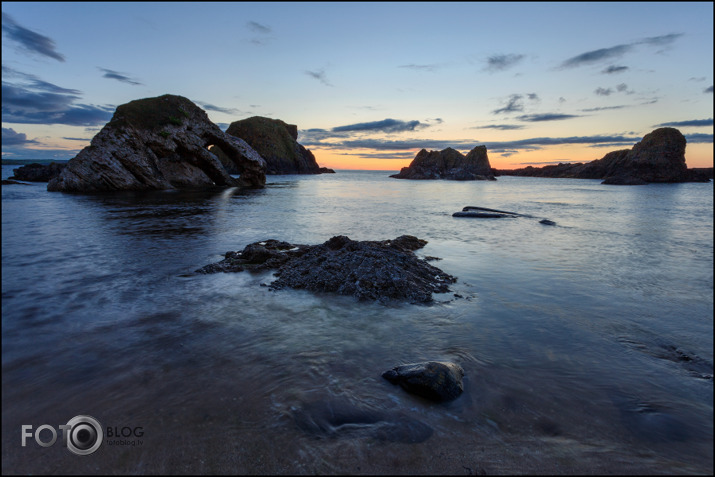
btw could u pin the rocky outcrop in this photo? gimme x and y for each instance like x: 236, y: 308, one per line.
x: 159, y: 143
x: 277, y: 143
x: 38, y: 172
x: 449, y: 164
x: 658, y: 157
x: 382, y: 271
x: 433, y: 380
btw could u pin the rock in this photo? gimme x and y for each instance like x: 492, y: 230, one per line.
x: 547, y: 222
x: 449, y: 164
x: 368, y: 270
x: 277, y: 143
x: 438, y: 381
x: 481, y: 215
x: 658, y: 157
x: 11, y: 182
x: 159, y: 143
x: 333, y: 418
x: 38, y: 172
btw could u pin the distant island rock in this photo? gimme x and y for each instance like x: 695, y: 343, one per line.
x: 449, y: 164
x: 658, y: 157
x: 277, y: 142
x: 36, y: 172
x: 382, y: 271
x: 159, y: 143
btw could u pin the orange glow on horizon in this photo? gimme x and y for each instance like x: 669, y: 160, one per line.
x: 696, y: 155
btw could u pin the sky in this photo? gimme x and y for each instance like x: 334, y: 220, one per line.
x: 370, y: 84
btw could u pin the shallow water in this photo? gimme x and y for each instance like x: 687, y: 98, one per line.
x: 587, y: 346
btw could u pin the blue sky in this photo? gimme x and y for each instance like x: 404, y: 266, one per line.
x: 370, y: 84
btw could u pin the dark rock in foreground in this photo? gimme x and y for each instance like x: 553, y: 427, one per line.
x: 449, y: 164
x: 433, y: 380
x: 159, y: 143
x: 368, y: 270
x: 38, y: 172
x: 658, y: 157
x: 277, y: 143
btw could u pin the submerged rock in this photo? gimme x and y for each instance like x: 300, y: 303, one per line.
x: 449, y: 164
x: 368, y: 270
x: 159, y: 143
x: 277, y: 143
x: 336, y: 418
x: 433, y: 380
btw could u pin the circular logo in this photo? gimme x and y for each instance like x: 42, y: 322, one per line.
x: 85, y: 435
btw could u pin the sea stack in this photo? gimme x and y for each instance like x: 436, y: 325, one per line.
x: 449, y: 164
x: 277, y: 142
x: 159, y: 143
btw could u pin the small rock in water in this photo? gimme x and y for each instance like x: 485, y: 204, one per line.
x: 438, y: 381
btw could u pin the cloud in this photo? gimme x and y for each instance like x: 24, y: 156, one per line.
x: 12, y: 138
x: 604, y: 108
x: 29, y: 40
x: 502, y: 62
x: 262, y: 32
x: 690, y: 123
x: 514, y: 103
x: 111, y: 74
x: 386, y: 125
x: 662, y: 40
x: 33, y: 101
x: 699, y: 138
x: 419, y: 67
x: 603, y: 91
x: 709, y: 89
x: 501, y: 127
x: 601, y: 54
x: 258, y: 28
x: 546, y: 117
x: 614, y: 69
x: 596, y: 55
x: 211, y: 107
x: 319, y: 75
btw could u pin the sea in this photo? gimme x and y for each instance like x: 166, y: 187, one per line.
x: 587, y: 345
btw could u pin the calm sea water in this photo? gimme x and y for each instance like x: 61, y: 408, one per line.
x: 587, y: 346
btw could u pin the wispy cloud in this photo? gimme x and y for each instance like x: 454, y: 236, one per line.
x: 690, y: 123
x: 514, y: 103
x: 614, y: 69
x: 501, y: 127
x: 29, y: 40
x: 319, y: 75
x: 709, y: 89
x: 546, y: 117
x: 603, y: 54
x: 219, y: 109
x: 115, y: 75
x: 502, y: 62
x: 416, y: 67
x: 261, y: 32
x: 385, y: 125
x: 30, y: 100
x: 603, y: 108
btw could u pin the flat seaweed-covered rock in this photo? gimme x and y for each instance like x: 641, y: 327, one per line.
x: 159, y: 143
x: 383, y: 271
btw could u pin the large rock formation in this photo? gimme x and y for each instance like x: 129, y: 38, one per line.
x: 159, y: 143
x: 36, y: 172
x: 449, y: 164
x: 368, y: 270
x: 658, y: 157
x: 277, y: 143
